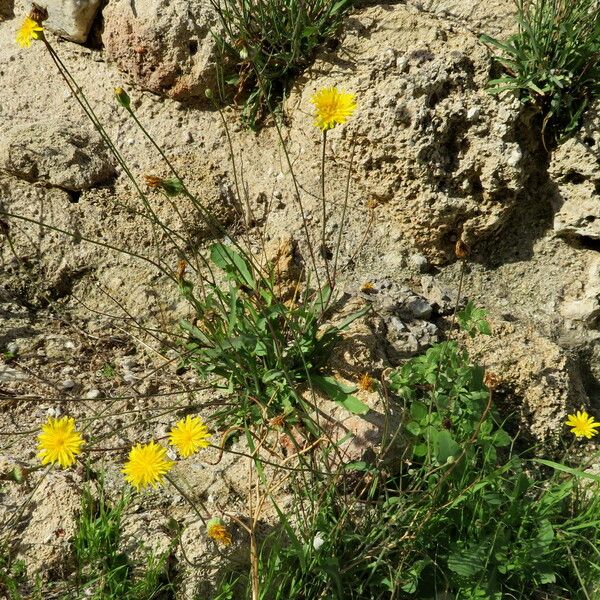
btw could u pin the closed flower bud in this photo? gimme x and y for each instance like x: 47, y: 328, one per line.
x: 123, y: 98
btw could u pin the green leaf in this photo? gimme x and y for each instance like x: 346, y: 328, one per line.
x: 501, y: 439
x: 467, y: 562
x: 418, y: 410
x: 359, y: 465
x: 565, y: 469
x: 444, y: 446
x: 413, y: 427
x: 545, y: 534
x: 420, y: 450
x: 232, y: 263
x: 340, y: 393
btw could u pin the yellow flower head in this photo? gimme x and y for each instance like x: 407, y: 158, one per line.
x: 218, y: 532
x: 147, y: 465
x: 582, y: 425
x: 189, y: 435
x: 30, y: 30
x: 59, y: 442
x: 332, y: 107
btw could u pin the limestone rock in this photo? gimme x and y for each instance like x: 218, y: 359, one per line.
x: 584, y: 309
x: 166, y: 47
x: 442, y: 158
x: 45, y: 542
x: 282, y: 256
x: 539, y: 379
x: 495, y: 17
x: 575, y: 170
x: 71, y: 19
x: 57, y: 152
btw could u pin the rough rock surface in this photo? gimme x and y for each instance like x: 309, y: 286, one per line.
x: 443, y: 157
x: 575, y: 169
x: 494, y: 17
x: 49, y: 522
x: 56, y: 152
x: 70, y: 19
x: 541, y: 382
x: 166, y: 47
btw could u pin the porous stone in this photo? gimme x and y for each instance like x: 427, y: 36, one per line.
x: 45, y: 542
x: 166, y: 47
x: 57, y: 152
x: 437, y: 170
x: 537, y: 380
x: 70, y: 19
x: 575, y: 170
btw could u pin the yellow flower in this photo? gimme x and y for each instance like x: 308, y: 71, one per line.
x: 218, y: 532
x: 147, y: 465
x: 59, y: 442
x: 189, y: 435
x: 30, y: 30
x: 582, y: 425
x: 332, y: 107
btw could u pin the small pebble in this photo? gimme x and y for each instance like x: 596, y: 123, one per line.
x: 68, y: 384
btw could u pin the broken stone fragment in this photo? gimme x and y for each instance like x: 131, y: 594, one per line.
x: 71, y: 19
x: 57, y: 152
x: 166, y: 47
x: 575, y: 171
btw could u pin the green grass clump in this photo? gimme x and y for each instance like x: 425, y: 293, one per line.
x: 553, y: 60
x: 103, y: 571
x: 459, y: 513
x: 271, y: 41
x: 260, y: 345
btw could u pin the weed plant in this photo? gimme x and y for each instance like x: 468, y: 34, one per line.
x: 261, y: 346
x: 461, y: 514
x: 553, y: 61
x: 270, y: 42
x: 103, y: 570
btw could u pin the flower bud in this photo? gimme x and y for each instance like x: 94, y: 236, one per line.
x: 123, y: 98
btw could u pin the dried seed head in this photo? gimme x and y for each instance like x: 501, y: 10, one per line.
x: 461, y: 249
x: 181, y: 267
x: 366, y: 383
x: 38, y: 13
x: 368, y: 287
x: 491, y: 381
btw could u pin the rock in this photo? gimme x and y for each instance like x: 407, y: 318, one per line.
x: 585, y: 308
x: 496, y: 17
x: 408, y: 338
x: 442, y: 299
x: 70, y: 19
x: 356, y: 437
x: 45, y: 542
x: 283, y: 258
x: 439, y: 170
x: 93, y: 394
x: 537, y: 380
x: 6, y: 9
x: 68, y: 384
x: 9, y: 374
x: 418, y: 307
x: 166, y: 47
x: 57, y: 152
x: 575, y: 171
x: 419, y: 262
